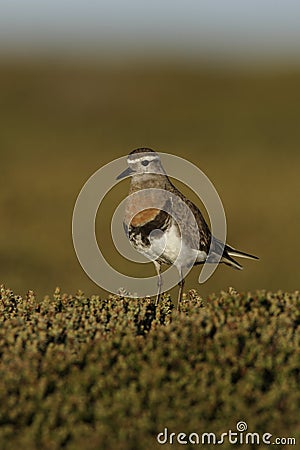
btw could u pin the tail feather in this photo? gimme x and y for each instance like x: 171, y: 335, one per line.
x: 228, y: 252
x: 226, y: 259
x: 233, y: 252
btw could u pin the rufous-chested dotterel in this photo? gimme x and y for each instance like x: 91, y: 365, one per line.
x: 159, y: 227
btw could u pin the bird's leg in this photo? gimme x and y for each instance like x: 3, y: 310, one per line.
x: 181, y: 285
x: 159, y: 282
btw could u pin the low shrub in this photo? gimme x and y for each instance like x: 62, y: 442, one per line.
x: 92, y: 373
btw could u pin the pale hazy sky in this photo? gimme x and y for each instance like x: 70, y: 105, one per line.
x: 266, y: 27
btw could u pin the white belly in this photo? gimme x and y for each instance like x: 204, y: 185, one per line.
x: 169, y: 248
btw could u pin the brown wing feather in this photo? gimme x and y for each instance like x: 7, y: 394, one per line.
x: 203, y: 243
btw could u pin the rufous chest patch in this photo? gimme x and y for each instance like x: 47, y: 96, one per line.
x: 145, y: 216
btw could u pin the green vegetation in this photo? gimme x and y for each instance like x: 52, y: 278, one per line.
x: 91, y: 373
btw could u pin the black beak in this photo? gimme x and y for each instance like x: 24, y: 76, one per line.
x: 127, y: 172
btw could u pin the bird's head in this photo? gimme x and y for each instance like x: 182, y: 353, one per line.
x: 142, y: 161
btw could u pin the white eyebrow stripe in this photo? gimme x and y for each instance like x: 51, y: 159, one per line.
x: 143, y: 158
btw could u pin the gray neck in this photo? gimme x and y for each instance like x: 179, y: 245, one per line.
x: 148, y: 181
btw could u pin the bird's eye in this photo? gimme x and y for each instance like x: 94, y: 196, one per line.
x: 145, y: 163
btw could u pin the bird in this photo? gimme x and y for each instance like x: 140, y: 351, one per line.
x: 158, y: 225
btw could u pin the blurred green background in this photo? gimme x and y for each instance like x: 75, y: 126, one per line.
x: 60, y: 122
x: 218, y: 84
